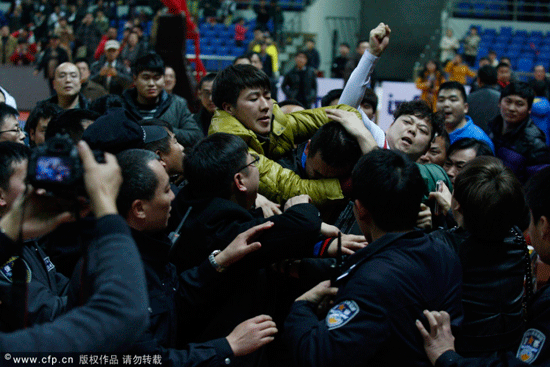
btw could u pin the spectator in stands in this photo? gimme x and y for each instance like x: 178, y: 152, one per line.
x: 245, y: 108
x: 110, y: 35
x: 210, y: 9
x: 112, y: 74
x: 457, y: 71
x: 300, y: 83
x: 540, y: 112
x: 518, y: 141
x: 89, y: 89
x: 448, y: 46
x: 263, y: 12
x: 88, y: 35
x: 429, y: 80
x: 539, y: 73
x: 40, y: 27
x: 66, y: 35
x: 340, y: 61
x: 10, y: 130
x: 28, y: 35
x: 149, y: 100
x: 255, y: 60
x: 483, y: 103
x: 240, y: 32
x: 360, y: 48
x: 258, y: 37
x: 101, y: 21
x: 493, y: 59
x: 504, y: 74
x: 133, y: 49
x: 313, y: 57
x: 267, y: 61
x: 22, y: 54
x: 437, y: 153
x: 488, y: 203
x: 461, y: 152
x: 451, y: 100
x: 278, y: 19
x: 471, y: 46
x: 15, y: 21
x: 169, y: 79
x: 227, y: 9
x: 38, y: 121
x: 8, y: 44
x: 52, y: 57
x: 67, y: 86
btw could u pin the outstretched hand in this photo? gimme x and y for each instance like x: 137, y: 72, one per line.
x: 440, y: 338
x: 318, y: 293
x: 269, y: 208
x: 242, y: 245
x: 350, y: 244
x: 252, y: 334
x: 355, y: 127
x: 443, y: 198
x: 379, y: 39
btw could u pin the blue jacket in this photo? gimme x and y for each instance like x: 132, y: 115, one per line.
x: 471, y: 130
x: 540, y: 113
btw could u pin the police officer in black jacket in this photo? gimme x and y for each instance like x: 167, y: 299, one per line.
x: 384, y: 286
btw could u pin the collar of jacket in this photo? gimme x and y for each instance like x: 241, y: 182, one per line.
x: 363, y: 255
x: 496, y: 127
x: 153, y: 247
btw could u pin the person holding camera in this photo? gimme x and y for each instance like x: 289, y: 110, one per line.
x: 113, y: 277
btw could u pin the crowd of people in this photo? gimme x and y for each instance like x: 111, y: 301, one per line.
x: 260, y: 233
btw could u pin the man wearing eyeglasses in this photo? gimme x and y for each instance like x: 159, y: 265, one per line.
x: 10, y: 130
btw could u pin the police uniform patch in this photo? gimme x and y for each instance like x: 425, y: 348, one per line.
x: 7, y: 269
x: 341, y: 314
x: 531, y: 345
x: 49, y: 265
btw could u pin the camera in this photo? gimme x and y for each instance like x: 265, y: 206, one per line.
x: 56, y: 167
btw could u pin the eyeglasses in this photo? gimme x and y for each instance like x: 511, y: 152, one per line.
x: 253, y: 163
x: 16, y: 130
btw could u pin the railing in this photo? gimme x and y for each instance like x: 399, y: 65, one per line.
x: 516, y: 10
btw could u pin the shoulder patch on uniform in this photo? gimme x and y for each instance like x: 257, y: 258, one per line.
x: 531, y: 345
x: 7, y: 269
x: 49, y: 265
x: 341, y: 314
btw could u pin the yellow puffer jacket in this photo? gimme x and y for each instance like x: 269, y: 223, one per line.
x: 279, y: 184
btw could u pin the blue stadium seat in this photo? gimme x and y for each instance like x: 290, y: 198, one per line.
x: 209, y: 33
x: 482, y: 52
x: 222, y: 51
x: 216, y: 42
x: 463, y: 10
x: 525, y: 64
x: 490, y: 31
x: 207, y: 50
x: 522, y: 33
x: 480, y: 9
x: 238, y: 51
x: 502, y: 39
x: 506, y: 31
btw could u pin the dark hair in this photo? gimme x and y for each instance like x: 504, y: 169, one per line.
x: 150, y: 62
x: 479, y: 146
x: 163, y: 144
x: 70, y: 122
x: 454, y: 86
x: 292, y: 102
x: 139, y: 182
x: 370, y: 98
x: 330, y: 96
x: 43, y: 110
x: 491, y: 198
x: 5, y: 112
x: 241, y: 57
x: 484, y: 58
x: 520, y: 89
x: 538, y: 195
x: 210, y: 166
x: 421, y: 110
x: 302, y: 52
x: 11, y: 153
x: 207, y: 78
x: 424, y: 72
x: 345, y: 44
x: 487, y: 75
x: 337, y: 147
x: 390, y: 187
x: 81, y: 59
x: 102, y: 104
x: 503, y: 65
x: 540, y: 88
x: 361, y: 41
x: 231, y: 81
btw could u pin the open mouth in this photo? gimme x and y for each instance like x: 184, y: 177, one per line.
x: 407, y: 140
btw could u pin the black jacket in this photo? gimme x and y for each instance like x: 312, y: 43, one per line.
x: 534, y: 347
x: 172, y: 109
x: 291, y: 86
x: 118, y: 299
x: 523, y: 150
x: 383, y: 290
x: 172, y: 298
x: 483, y: 106
x: 493, y: 274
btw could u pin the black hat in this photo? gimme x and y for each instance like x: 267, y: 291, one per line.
x: 117, y: 131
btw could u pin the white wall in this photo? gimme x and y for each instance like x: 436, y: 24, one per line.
x: 314, y: 21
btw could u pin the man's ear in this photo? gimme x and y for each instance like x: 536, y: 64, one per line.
x: 363, y: 213
x: 161, y: 156
x: 307, y: 147
x: 227, y: 107
x: 3, y: 202
x: 455, y: 205
x: 31, y: 134
x: 137, y: 210
x: 466, y: 107
x: 544, y: 226
x: 238, y: 180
